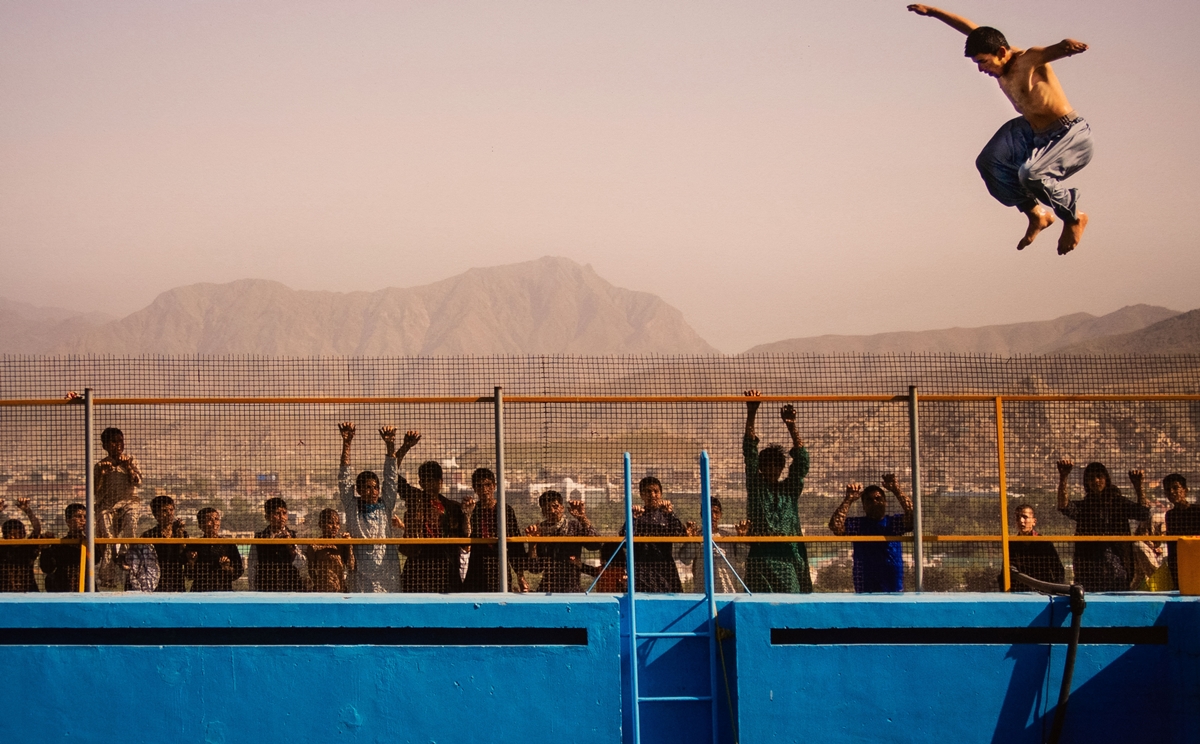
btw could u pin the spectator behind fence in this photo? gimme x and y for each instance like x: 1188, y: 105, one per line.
x: 1037, y: 560
x: 560, y: 563
x: 276, y: 567
x: 484, y: 512
x: 772, y: 506
x: 369, y: 507
x: 60, y: 563
x: 1183, y: 518
x: 329, y: 565
x: 118, y: 505
x: 1148, y: 569
x: 16, y: 561
x: 429, y: 514
x: 724, y: 579
x: 878, y: 566
x: 171, y: 557
x: 1101, y: 566
x: 654, y: 567
x: 212, y: 568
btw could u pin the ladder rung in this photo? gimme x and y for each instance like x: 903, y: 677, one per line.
x: 676, y: 699
x: 674, y: 634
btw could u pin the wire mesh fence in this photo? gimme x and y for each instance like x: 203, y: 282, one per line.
x: 250, y: 449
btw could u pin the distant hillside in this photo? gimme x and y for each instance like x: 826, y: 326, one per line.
x: 29, y: 329
x: 1177, y: 335
x: 547, y: 306
x: 1038, y: 337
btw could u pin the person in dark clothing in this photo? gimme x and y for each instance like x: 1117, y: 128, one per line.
x: 212, y: 568
x: 16, y: 561
x: 171, y: 557
x: 1102, y: 566
x: 1037, y: 560
x: 482, y: 575
x: 273, y: 567
x: 560, y: 563
x: 654, y: 568
x: 60, y: 563
x: 878, y: 566
x: 1183, y: 518
x: 429, y: 514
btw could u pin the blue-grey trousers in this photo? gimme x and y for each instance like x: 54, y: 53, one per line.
x: 1022, y: 167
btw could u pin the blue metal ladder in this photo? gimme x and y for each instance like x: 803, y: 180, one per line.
x: 710, y: 596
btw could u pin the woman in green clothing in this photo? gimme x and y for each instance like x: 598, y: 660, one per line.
x: 771, y: 507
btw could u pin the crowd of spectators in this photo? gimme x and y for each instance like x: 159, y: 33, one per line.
x: 370, y: 503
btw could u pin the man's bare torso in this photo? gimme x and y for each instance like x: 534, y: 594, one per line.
x: 1034, y: 90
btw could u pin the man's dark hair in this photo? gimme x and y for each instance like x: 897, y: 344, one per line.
x: 873, y: 489
x: 272, y: 504
x: 430, y: 469
x: 648, y: 481
x: 328, y: 515
x: 717, y: 503
x: 110, y: 434
x: 203, y: 513
x: 73, y: 509
x: 12, y: 528
x: 772, y: 454
x: 985, y: 40
x: 482, y: 474
x: 364, y: 476
x: 1174, y: 478
x: 158, y: 502
x: 1022, y: 507
x: 548, y: 496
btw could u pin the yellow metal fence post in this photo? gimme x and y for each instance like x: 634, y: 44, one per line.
x: 1003, y: 493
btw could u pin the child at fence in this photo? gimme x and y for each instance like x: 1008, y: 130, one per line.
x: 16, y: 561
x: 484, y: 511
x: 369, y: 507
x: 276, y: 567
x: 60, y: 563
x: 1183, y: 518
x: 429, y: 514
x: 878, y: 566
x: 1102, y: 566
x: 560, y: 563
x: 724, y: 579
x: 772, y: 507
x: 212, y: 568
x: 654, y: 568
x: 329, y: 565
x: 118, y: 506
x: 1037, y: 560
x: 171, y: 557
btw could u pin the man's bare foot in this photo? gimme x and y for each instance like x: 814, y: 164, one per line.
x: 1039, y: 219
x: 1072, y: 233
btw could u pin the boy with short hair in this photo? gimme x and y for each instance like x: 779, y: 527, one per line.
x: 878, y: 566
x: 654, y: 568
x: 118, y: 506
x: 60, y: 563
x: 369, y: 507
x: 273, y: 567
x: 171, y: 557
x: 484, y: 511
x: 1183, y: 518
x: 1038, y: 560
x: 212, y: 568
x: 727, y: 577
x: 560, y: 564
x: 328, y: 565
x: 16, y: 562
x: 429, y: 514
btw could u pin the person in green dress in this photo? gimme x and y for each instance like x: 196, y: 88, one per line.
x: 771, y: 507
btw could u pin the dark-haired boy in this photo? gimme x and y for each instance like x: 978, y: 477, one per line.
x: 171, y: 557
x: 1027, y: 160
x: 654, y: 568
x: 1183, y: 518
x: 60, y: 563
x: 772, y: 504
x: 429, y: 514
x: 369, y: 507
x: 118, y: 506
x: 484, y: 511
x: 878, y: 566
x: 1038, y: 560
x: 212, y: 568
x: 273, y: 567
x: 560, y: 563
x: 16, y: 561
x: 330, y: 565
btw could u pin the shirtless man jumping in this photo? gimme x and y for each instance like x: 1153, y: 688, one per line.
x: 1029, y: 157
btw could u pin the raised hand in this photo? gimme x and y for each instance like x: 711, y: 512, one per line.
x: 921, y: 10
x: 411, y: 437
x: 667, y: 506
x: 638, y: 510
x: 468, y: 504
x: 1136, y: 478
x: 890, y: 483
x: 853, y: 490
x: 346, y: 429
x: 388, y: 434
x: 752, y: 405
x: 788, y: 414
x: 532, y: 531
x: 742, y: 528
x: 1064, y: 467
x: 577, y: 509
x: 692, y: 529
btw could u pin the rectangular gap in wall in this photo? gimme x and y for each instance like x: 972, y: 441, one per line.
x: 293, y: 637
x: 1121, y: 636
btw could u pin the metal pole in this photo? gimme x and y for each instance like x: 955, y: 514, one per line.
x: 914, y: 449
x: 635, y: 717
x: 709, y: 585
x: 501, y: 502
x: 89, y: 486
x: 1003, y: 494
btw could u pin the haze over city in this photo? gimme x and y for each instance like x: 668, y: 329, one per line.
x: 772, y: 170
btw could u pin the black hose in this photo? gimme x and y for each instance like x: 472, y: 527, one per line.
x: 1078, y: 605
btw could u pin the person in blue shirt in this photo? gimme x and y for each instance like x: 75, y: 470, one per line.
x: 878, y: 566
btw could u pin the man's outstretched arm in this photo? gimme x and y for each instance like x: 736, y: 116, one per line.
x: 958, y: 23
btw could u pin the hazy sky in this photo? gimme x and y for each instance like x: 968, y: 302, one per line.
x: 773, y: 169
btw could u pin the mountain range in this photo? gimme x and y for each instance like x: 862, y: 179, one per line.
x: 547, y: 306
